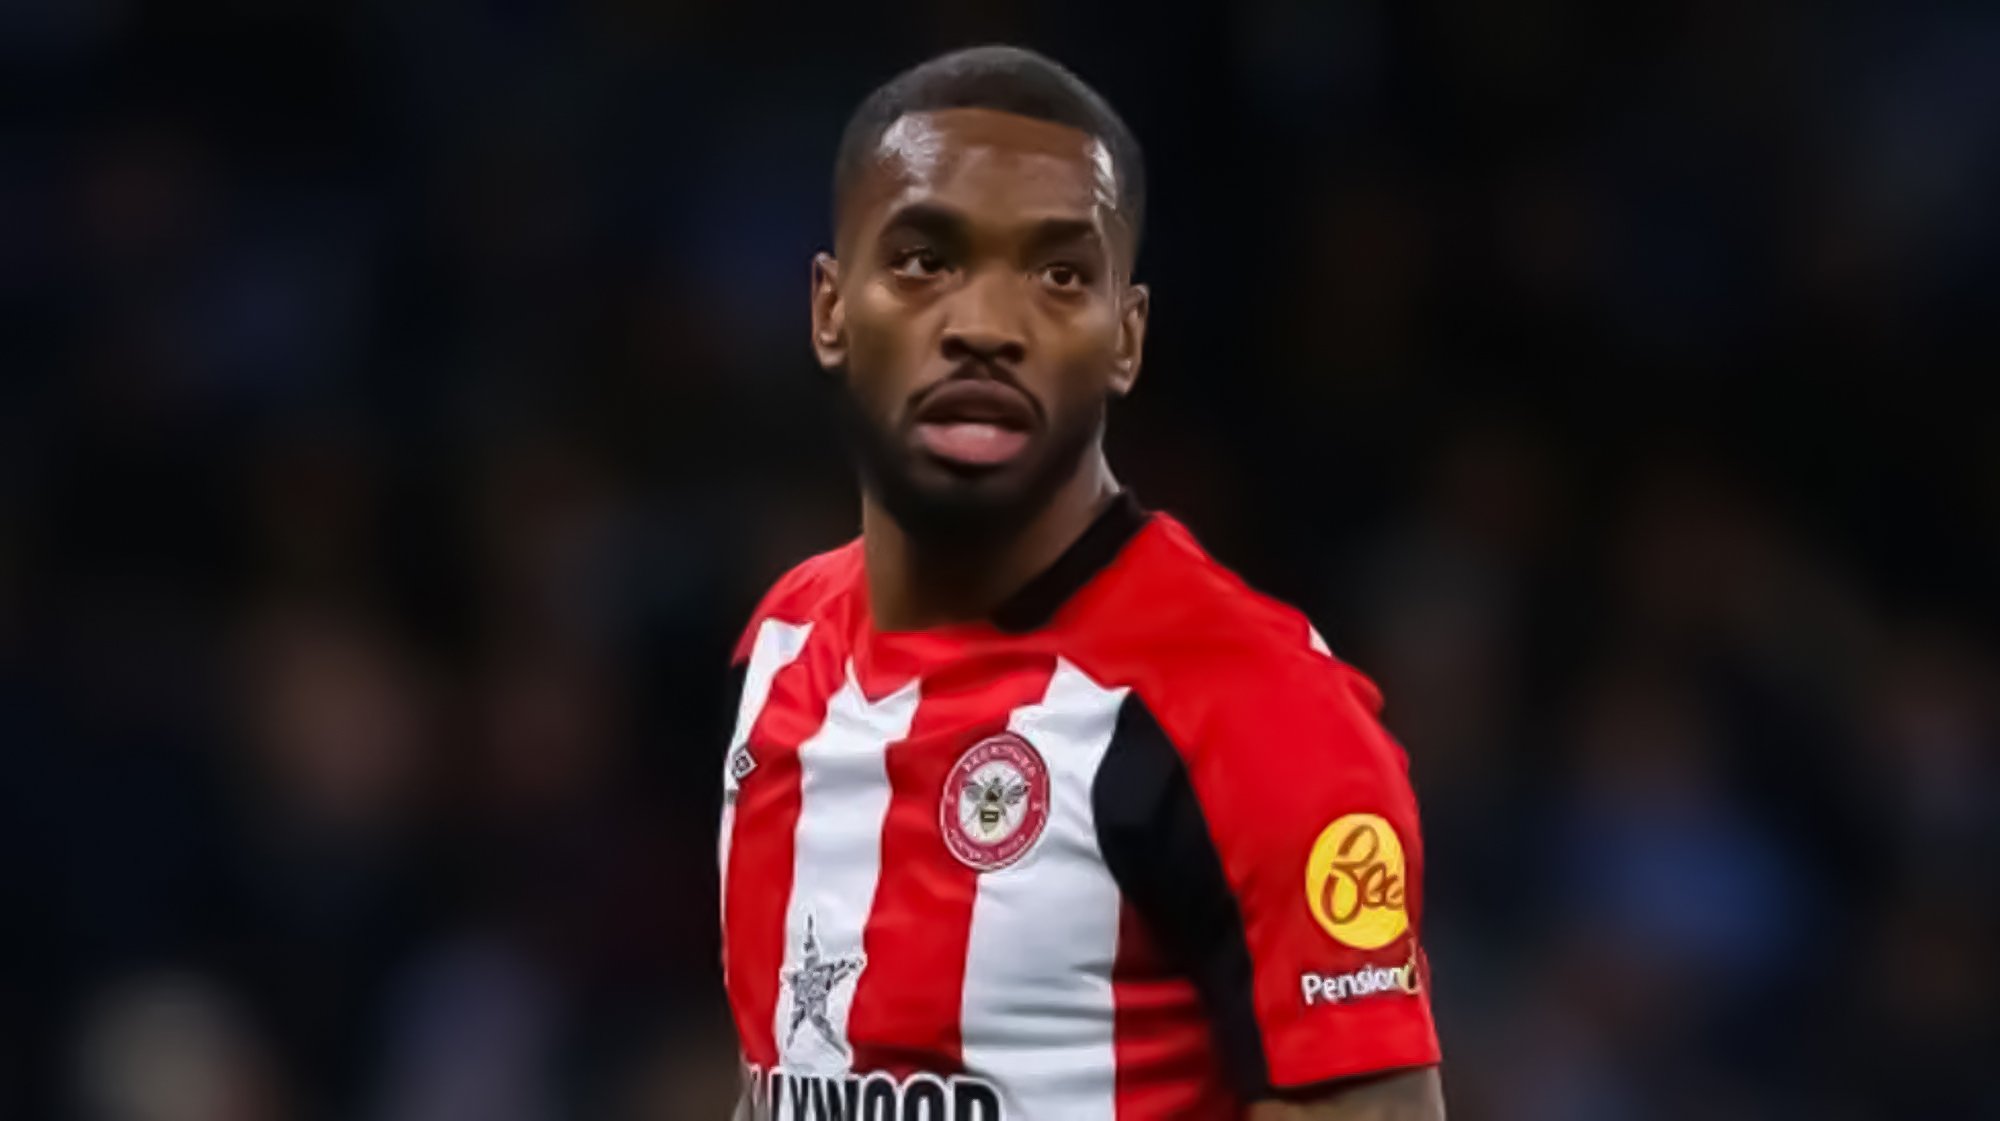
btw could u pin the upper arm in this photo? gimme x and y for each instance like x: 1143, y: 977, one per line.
x: 1282, y: 867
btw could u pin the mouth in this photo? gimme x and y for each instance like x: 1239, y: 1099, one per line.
x: 975, y: 425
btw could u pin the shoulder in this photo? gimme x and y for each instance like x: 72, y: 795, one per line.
x: 811, y: 591
x: 1223, y: 667
x: 1242, y: 728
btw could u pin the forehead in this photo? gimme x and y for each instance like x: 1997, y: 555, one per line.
x: 982, y: 160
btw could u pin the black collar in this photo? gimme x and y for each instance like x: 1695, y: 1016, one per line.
x: 1037, y: 602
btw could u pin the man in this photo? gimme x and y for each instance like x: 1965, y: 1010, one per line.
x: 1033, y: 811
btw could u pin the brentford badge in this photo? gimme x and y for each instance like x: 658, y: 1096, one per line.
x: 996, y: 802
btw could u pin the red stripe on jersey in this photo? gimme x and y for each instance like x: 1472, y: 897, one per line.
x: 1262, y: 740
x: 760, y: 858
x: 906, y: 1009
x: 1167, y: 1065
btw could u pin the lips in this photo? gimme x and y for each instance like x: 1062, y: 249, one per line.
x: 975, y: 423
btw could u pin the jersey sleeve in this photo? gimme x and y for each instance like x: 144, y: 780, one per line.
x: 767, y: 608
x: 1267, y: 834
x: 797, y: 595
x: 746, y: 640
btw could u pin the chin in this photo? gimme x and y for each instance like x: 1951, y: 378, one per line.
x: 971, y: 507
x: 932, y: 501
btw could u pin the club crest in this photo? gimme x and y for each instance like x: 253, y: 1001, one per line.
x: 996, y: 802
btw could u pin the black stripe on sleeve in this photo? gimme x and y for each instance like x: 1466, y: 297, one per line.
x: 1157, y: 844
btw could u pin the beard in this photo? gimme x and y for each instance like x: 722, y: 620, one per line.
x: 955, y: 511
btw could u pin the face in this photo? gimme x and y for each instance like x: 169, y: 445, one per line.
x: 979, y: 316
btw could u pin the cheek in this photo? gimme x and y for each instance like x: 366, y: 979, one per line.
x: 885, y: 345
x: 1085, y: 355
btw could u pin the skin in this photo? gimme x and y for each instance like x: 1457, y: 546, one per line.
x: 1411, y: 1095
x: 978, y: 244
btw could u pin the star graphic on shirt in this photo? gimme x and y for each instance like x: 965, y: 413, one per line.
x: 812, y: 982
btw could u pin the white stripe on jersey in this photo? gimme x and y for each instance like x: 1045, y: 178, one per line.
x: 1038, y: 1009
x: 836, y: 862
x: 778, y: 645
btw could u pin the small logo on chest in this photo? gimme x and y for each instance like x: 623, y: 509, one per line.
x: 996, y: 802
x: 741, y: 763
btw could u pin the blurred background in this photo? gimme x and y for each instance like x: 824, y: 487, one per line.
x: 404, y: 404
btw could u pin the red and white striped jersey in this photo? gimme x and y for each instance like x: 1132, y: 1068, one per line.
x: 1135, y: 848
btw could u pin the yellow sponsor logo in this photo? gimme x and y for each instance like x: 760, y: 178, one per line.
x: 1355, y: 881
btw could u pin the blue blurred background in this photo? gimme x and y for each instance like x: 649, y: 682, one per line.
x: 405, y: 403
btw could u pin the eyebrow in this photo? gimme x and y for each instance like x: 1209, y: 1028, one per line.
x: 926, y: 218
x: 948, y: 223
x: 1051, y: 232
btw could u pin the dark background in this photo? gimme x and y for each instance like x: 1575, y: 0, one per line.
x: 405, y: 403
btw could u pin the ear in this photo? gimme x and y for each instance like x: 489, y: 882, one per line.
x: 1131, y: 339
x: 829, y: 315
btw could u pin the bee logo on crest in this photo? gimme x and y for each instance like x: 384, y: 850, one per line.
x: 996, y: 802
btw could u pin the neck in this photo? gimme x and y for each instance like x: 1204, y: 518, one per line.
x: 914, y: 584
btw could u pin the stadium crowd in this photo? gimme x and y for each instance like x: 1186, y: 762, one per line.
x: 407, y: 403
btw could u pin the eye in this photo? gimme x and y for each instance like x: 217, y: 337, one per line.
x: 1064, y: 276
x: 916, y: 263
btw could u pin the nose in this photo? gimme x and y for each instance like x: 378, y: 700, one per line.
x: 984, y: 324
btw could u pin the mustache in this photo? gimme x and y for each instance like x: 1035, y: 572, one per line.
x: 976, y: 370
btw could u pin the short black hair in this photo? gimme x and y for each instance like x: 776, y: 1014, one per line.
x: 1008, y: 79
